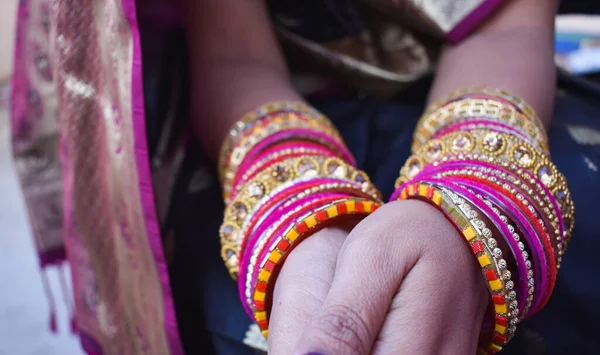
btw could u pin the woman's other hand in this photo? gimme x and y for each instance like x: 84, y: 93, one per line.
x: 401, y: 282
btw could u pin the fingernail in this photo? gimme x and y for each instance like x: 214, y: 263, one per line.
x: 314, y: 354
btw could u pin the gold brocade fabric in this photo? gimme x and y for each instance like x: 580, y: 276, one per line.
x: 105, y: 219
x: 393, y: 43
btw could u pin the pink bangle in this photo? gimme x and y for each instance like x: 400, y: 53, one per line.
x: 241, y: 178
x: 271, y: 226
x: 485, y: 124
x: 332, y: 185
x: 301, y: 134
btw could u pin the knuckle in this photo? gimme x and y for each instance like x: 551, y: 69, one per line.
x: 344, y: 326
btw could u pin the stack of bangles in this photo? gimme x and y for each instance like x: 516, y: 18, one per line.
x: 286, y: 174
x: 480, y: 156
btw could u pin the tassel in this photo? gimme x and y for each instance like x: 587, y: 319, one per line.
x: 67, y: 295
x: 51, y: 303
x: 53, y: 325
x: 74, y: 328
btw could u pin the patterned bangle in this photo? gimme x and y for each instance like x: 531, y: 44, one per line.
x: 272, y: 226
x: 520, y: 158
x: 540, y: 260
x: 487, y: 143
x: 487, y: 92
x: 477, y: 109
x: 252, y: 118
x: 506, y: 95
x: 248, y: 149
x: 293, y: 149
x: 280, y: 247
x: 272, y: 186
x: 566, y: 221
x: 523, y: 255
x: 232, y: 246
x: 476, y: 124
x: 477, y: 235
x: 514, y: 189
x: 544, y: 252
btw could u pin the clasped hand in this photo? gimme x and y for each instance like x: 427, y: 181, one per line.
x: 402, y: 281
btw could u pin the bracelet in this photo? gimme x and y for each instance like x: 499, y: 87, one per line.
x: 461, y: 111
x: 280, y: 247
x: 506, y: 95
x: 544, y: 254
x: 476, y: 124
x: 250, y: 119
x: 287, y: 178
x: 545, y: 216
x: 276, y: 154
x: 477, y: 235
x: 263, y: 139
x: 561, y: 197
x: 499, y: 94
x: 518, y: 249
x: 488, y: 143
x: 262, y: 235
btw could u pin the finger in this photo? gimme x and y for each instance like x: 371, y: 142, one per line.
x: 371, y: 265
x: 302, y: 286
x: 425, y: 319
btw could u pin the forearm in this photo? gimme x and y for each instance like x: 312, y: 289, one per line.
x: 235, y: 64
x: 513, y: 51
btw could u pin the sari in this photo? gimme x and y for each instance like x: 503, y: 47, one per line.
x: 115, y: 187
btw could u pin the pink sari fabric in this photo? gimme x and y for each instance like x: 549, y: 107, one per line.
x: 88, y: 92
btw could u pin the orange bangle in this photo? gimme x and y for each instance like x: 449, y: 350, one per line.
x: 278, y: 249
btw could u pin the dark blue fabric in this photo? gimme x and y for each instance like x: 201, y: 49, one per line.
x: 379, y: 134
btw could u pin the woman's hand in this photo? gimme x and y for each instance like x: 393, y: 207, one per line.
x: 401, y: 282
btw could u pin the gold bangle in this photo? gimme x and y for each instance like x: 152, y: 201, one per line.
x: 506, y: 95
x: 248, y: 120
x: 500, y: 149
x: 472, y: 109
x: 275, y: 124
x: 258, y: 192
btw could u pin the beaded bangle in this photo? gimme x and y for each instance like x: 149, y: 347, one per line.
x: 506, y: 95
x: 299, y: 191
x: 490, y: 144
x: 233, y: 225
x: 544, y: 254
x: 251, y: 119
x: 544, y: 251
x: 509, y: 244
x: 512, y: 189
x: 434, y: 153
x: 472, y: 229
x: 477, y: 124
x: 280, y: 247
x: 457, y: 112
x: 524, y: 255
x: 519, y: 252
x: 249, y: 149
x: 492, y: 93
x: 293, y: 149
x: 272, y: 186
x: 262, y: 235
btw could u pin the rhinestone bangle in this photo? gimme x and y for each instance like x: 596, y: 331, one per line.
x: 467, y: 221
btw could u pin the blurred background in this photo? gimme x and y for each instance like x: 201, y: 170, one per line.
x: 24, y: 305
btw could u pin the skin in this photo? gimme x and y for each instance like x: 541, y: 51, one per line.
x: 402, y: 280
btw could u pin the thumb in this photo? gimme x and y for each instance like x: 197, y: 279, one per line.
x: 302, y: 286
x: 368, y: 274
